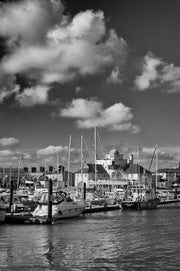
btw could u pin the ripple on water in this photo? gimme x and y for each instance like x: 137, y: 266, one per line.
x: 147, y: 240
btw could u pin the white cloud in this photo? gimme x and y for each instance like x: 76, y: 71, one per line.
x: 90, y: 113
x: 8, y: 156
x: 162, y: 155
x: 81, y: 108
x: 6, y: 153
x: 52, y: 150
x: 28, y: 21
x: 115, y: 76
x: 53, y: 48
x: 149, y: 72
x: 156, y: 72
x: 9, y: 141
x: 78, y: 89
x: 33, y: 96
x: 171, y: 75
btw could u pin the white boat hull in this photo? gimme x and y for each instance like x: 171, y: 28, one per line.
x: 60, y: 211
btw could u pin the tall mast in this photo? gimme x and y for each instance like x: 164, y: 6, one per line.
x: 156, y: 165
x: 19, y: 166
x: 3, y: 170
x: 139, y: 169
x: 57, y: 163
x: 95, y: 155
x: 69, y: 161
x: 82, y: 158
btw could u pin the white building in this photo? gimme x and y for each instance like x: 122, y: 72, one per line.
x: 110, y: 172
x: 139, y: 175
x: 115, y: 164
x: 87, y: 175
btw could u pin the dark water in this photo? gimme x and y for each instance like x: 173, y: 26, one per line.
x: 117, y: 240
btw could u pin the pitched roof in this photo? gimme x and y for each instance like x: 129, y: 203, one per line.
x: 136, y: 169
x: 90, y: 168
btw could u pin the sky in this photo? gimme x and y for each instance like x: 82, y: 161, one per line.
x: 69, y: 66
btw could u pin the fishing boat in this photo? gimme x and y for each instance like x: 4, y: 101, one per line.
x: 139, y: 198
x: 2, y: 210
x: 141, y: 195
x: 63, y: 206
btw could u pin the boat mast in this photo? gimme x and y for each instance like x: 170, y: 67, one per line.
x: 156, y: 166
x: 19, y: 165
x: 3, y: 177
x: 139, y: 169
x: 69, y: 158
x: 57, y: 163
x: 95, y: 156
x: 82, y: 158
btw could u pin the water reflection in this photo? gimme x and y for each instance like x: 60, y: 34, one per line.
x: 148, y: 240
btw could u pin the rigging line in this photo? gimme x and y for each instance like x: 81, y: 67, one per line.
x: 152, y: 157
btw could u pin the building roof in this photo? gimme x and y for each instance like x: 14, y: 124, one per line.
x: 136, y: 169
x: 90, y: 168
x: 113, y: 152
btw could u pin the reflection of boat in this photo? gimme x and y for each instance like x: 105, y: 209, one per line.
x: 2, y: 210
x: 139, y: 198
x: 62, y: 206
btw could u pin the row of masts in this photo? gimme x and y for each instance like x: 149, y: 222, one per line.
x: 82, y: 156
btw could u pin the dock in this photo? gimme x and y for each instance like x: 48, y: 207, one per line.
x: 169, y: 203
x: 96, y: 209
x: 28, y: 219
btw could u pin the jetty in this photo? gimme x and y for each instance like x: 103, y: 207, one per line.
x: 28, y: 219
x: 169, y: 203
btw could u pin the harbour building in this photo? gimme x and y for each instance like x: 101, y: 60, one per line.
x: 106, y: 174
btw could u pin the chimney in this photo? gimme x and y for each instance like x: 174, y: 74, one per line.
x: 131, y: 159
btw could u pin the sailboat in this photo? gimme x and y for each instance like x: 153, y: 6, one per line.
x: 139, y: 197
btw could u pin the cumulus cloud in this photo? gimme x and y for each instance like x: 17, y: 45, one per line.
x: 78, y: 89
x: 171, y: 76
x: 28, y: 21
x: 163, y: 156
x: 14, y: 155
x: 51, y: 150
x: 6, y: 153
x: 32, y: 96
x: 115, y: 76
x: 90, y: 113
x: 9, y: 141
x: 149, y: 72
x: 156, y: 72
x: 47, y: 47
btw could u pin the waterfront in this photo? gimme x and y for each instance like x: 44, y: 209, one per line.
x: 116, y: 240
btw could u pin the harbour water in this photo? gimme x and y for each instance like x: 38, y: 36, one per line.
x: 116, y: 240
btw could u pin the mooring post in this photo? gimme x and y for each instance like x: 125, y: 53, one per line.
x: 50, y: 200
x: 84, y: 191
x: 11, y: 196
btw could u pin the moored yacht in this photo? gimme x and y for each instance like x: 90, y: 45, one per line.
x: 139, y: 198
x: 62, y: 206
